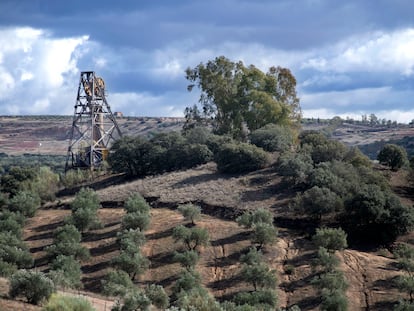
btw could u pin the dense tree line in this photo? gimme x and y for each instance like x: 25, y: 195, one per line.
x: 339, y: 183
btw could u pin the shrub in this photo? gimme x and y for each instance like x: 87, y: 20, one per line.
x: 191, y: 237
x: 264, y: 234
x: 332, y: 280
x: 131, y: 239
x: 326, y: 260
x: 241, y: 158
x: 257, y: 298
x: 157, y: 296
x: 84, y: 210
x: 132, y: 263
x: 295, y: 167
x: 273, y: 137
x: 25, y: 202
x: 59, y: 302
x: 334, y: 300
x: 67, y: 242
x: 187, y: 259
x: 187, y: 281
x: 249, y: 219
x: 253, y: 256
x: 14, y: 252
x: 317, y: 202
x: 133, y: 300
x: 190, y: 212
x: 197, y: 135
x: 116, y: 283
x: 259, y: 275
x: 393, y: 156
x: 136, y: 203
x: 330, y: 238
x: 65, y: 271
x: 136, y: 221
x: 45, y: 184
x: 34, y: 286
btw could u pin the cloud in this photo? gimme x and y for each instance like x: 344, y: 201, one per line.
x: 370, y: 52
x: 36, y: 70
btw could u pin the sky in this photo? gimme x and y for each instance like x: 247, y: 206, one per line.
x: 349, y: 57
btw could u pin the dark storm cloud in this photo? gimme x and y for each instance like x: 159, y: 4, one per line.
x: 346, y: 55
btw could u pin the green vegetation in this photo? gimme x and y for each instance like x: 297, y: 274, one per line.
x: 393, y: 156
x: 273, y: 137
x: 190, y: 212
x: 192, y: 238
x: 240, y: 158
x: 65, y: 271
x: 59, y: 302
x: 66, y: 242
x: 84, y: 210
x: 34, y: 286
x: 233, y: 95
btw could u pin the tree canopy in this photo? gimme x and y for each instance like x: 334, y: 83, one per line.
x: 233, y: 95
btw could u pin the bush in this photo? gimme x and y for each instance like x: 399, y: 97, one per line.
x: 191, y: 237
x: 273, y: 137
x: 157, y: 296
x: 84, y: 210
x: 393, y: 156
x: 116, y: 283
x: 131, y: 239
x: 249, y: 219
x: 264, y: 234
x: 59, y: 302
x: 332, y: 280
x: 252, y: 257
x: 67, y: 242
x: 259, y: 275
x: 241, y: 158
x: 66, y: 272
x: 330, y: 238
x: 317, y: 202
x: 136, y: 204
x: 14, y: 252
x: 25, y: 202
x: 190, y: 212
x: 187, y: 259
x: 34, y: 286
x: 132, y: 263
x: 133, y: 300
x: 334, y: 300
x: 257, y: 298
x: 136, y: 221
x: 295, y: 167
x: 326, y: 260
x: 187, y: 281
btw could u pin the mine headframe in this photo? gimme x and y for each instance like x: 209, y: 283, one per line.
x: 94, y: 127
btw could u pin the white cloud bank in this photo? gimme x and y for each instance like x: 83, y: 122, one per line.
x: 37, y: 71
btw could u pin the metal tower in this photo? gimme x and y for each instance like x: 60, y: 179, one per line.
x: 94, y: 127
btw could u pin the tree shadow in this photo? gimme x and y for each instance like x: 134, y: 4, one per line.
x: 96, y: 267
x: 41, y: 236
x: 383, y: 305
x: 292, y: 286
x: 194, y: 180
x: 387, y: 284
x: 237, y: 237
x: 49, y: 227
x: 103, y: 249
x: 225, y: 283
x: 91, y: 236
x: 225, y: 261
x: 159, y: 234
x: 161, y: 259
x: 309, y: 303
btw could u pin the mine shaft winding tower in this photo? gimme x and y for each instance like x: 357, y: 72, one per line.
x: 94, y: 127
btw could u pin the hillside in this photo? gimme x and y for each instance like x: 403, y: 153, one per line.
x: 370, y: 271
x: 222, y: 198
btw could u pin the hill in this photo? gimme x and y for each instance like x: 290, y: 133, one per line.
x: 222, y: 198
